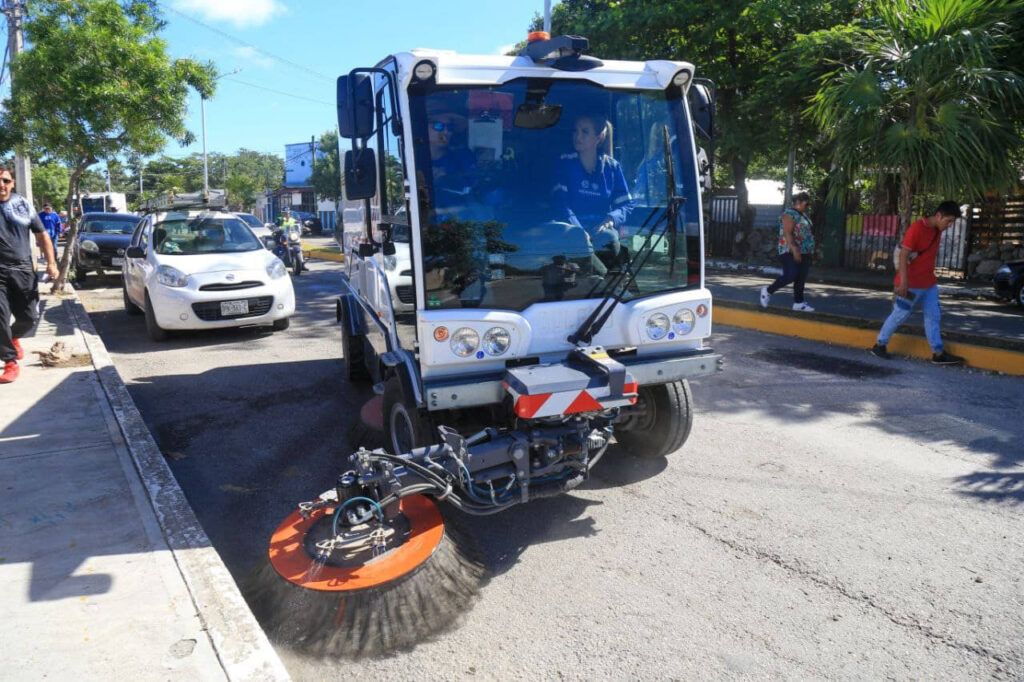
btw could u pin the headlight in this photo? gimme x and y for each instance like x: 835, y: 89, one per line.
x: 497, y: 340
x: 171, y: 277
x: 390, y: 262
x: 1005, y: 270
x: 276, y: 269
x: 683, y: 321
x: 464, y: 342
x: 657, y: 326
x: 90, y: 246
x: 293, y: 236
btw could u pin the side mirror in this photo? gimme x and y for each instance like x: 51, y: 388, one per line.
x: 360, y: 174
x: 388, y: 248
x: 702, y: 110
x: 355, y: 106
x: 135, y: 252
x: 365, y: 250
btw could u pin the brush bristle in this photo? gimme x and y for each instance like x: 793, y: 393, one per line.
x: 374, y: 622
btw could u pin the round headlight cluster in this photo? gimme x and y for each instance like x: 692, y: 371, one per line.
x: 657, y: 326
x: 464, y: 342
x: 683, y: 321
x: 497, y: 340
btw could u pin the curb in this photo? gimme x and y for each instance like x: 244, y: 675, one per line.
x: 999, y: 355
x: 323, y: 254
x: 238, y: 641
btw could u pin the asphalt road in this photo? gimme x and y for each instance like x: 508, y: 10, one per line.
x: 832, y: 515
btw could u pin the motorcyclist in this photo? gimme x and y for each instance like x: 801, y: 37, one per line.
x: 286, y: 222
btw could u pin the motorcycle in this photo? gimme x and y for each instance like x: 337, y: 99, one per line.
x: 287, y: 245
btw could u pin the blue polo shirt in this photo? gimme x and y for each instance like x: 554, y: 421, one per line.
x: 589, y: 198
x: 51, y: 221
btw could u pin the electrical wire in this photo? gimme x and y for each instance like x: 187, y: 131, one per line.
x: 282, y: 92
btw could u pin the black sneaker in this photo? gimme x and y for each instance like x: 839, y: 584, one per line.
x: 945, y: 358
x: 879, y: 351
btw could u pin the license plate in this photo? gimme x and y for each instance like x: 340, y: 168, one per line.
x: 234, y: 308
x: 117, y: 261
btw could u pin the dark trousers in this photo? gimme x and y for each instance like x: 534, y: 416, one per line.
x: 19, y: 296
x: 792, y: 272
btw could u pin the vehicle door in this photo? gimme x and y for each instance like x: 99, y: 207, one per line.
x: 136, y: 269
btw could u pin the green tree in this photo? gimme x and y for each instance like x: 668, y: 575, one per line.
x: 926, y: 95
x: 732, y: 43
x: 49, y: 183
x: 326, y: 178
x: 97, y: 82
x: 242, y: 190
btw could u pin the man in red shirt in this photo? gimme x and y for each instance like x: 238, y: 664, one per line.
x: 916, y: 281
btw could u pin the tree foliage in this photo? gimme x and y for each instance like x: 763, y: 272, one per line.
x: 326, y: 177
x: 928, y: 94
x: 95, y: 83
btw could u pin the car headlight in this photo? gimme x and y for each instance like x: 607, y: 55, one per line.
x: 657, y: 326
x: 683, y: 321
x: 276, y: 269
x: 90, y: 246
x: 1005, y: 270
x: 293, y: 236
x: 464, y: 342
x: 171, y: 277
x: 497, y: 340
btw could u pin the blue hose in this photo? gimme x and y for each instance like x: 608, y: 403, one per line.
x: 341, y: 508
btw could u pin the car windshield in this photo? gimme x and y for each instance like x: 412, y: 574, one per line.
x: 124, y: 225
x: 538, y: 190
x: 203, y: 234
x: 249, y: 219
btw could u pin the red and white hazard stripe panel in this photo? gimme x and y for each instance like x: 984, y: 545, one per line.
x: 569, y: 402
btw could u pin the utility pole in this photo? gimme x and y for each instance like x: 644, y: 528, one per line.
x: 547, y: 16
x: 15, y: 10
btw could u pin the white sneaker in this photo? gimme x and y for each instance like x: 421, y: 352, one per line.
x: 765, y: 297
x: 803, y: 308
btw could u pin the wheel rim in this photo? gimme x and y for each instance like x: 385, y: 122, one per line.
x: 403, y: 434
x: 643, y: 415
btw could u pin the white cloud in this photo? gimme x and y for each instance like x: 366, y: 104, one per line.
x: 250, y: 55
x: 240, y: 13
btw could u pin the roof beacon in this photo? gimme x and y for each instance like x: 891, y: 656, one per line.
x: 564, y: 53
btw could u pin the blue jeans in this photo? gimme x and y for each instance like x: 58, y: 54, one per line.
x: 902, y: 309
x: 793, y: 273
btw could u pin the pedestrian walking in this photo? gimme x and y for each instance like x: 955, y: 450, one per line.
x: 53, y: 224
x: 796, y: 252
x: 19, y: 289
x: 916, y: 283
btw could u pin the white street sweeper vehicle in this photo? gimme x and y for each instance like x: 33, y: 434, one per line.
x: 552, y: 301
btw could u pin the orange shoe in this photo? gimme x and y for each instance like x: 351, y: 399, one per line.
x: 11, y: 371
x: 18, y: 349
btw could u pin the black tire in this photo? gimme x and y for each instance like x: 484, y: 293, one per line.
x: 405, y: 425
x: 660, y: 422
x: 80, y: 275
x: 355, y: 356
x: 282, y: 324
x: 297, y: 264
x: 156, y: 332
x: 129, y: 307
x: 1018, y: 297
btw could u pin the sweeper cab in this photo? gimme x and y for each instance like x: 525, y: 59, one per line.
x: 526, y: 287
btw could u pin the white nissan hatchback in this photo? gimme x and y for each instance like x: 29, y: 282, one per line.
x: 203, y: 269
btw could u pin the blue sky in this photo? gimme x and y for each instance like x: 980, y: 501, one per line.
x: 327, y: 37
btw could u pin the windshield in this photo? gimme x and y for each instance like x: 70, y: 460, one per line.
x: 537, y: 190
x: 188, y: 237
x: 249, y: 219
x: 110, y: 225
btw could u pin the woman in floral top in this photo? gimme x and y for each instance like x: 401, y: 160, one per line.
x: 796, y: 251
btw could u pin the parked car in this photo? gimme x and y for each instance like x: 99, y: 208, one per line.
x: 101, y: 242
x: 191, y: 269
x: 261, y: 229
x: 310, y: 222
x: 1009, y: 282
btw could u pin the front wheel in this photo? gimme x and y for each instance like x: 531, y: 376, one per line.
x: 1019, y: 296
x: 297, y: 263
x: 129, y: 307
x: 659, y: 423
x: 156, y: 332
x: 406, y: 425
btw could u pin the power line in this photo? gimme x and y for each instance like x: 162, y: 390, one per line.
x: 245, y: 43
x: 281, y: 92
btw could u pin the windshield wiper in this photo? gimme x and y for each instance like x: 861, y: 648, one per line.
x: 619, y: 285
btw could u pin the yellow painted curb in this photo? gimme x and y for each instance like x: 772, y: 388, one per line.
x: 981, y: 357
x: 324, y: 254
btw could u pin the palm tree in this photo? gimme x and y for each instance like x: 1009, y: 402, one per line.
x: 927, y: 94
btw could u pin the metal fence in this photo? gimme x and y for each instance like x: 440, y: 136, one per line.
x: 871, y: 239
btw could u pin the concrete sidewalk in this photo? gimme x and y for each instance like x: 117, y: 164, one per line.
x: 988, y: 333
x: 104, y: 571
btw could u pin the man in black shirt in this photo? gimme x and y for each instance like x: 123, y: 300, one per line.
x: 19, y: 289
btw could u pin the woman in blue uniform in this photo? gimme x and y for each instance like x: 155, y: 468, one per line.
x: 590, y: 188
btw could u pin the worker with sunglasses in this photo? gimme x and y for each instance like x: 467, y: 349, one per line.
x: 453, y: 166
x: 19, y: 288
